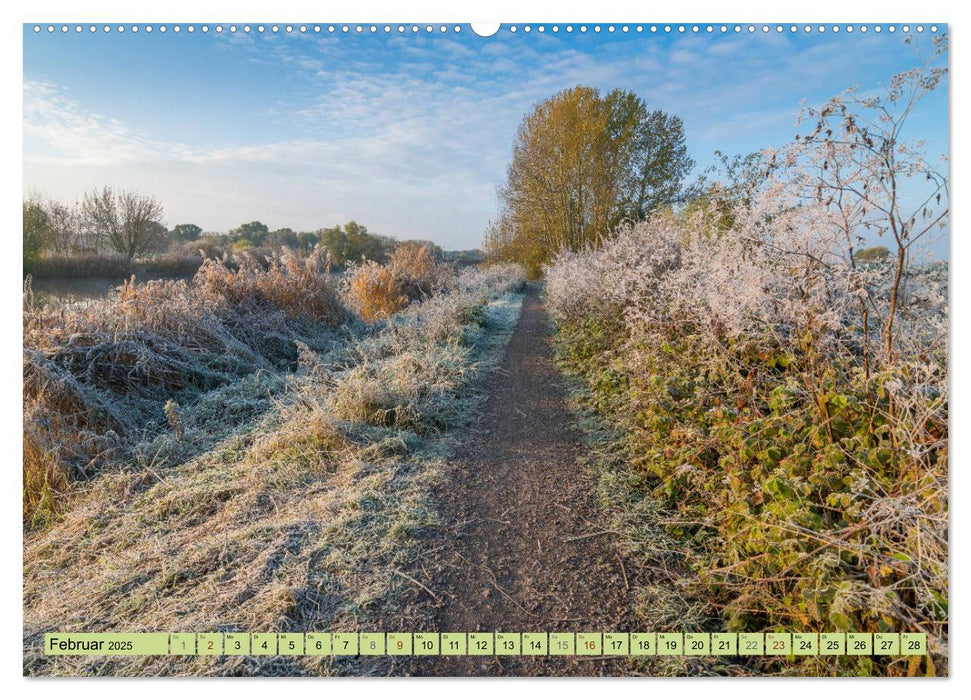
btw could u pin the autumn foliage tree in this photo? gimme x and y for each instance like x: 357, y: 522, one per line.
x: 582, y: 162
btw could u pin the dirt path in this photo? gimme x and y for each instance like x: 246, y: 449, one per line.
x: 522, y: 549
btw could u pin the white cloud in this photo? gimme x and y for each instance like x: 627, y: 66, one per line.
x: 61, y: 130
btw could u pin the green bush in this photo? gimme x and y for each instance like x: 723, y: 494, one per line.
x: 799, y: 505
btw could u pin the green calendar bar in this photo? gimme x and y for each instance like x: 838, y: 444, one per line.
x: 670, y: 644
x: 263, y: 644
x: 345, y: 643
x: 318, y: 644
x: 236, y: 643
x: 805, y: 644
x: 643, y: 644
x: 291, y: 644
x: 751, y: 644
x: 778, y: 644
x: 563, y: 644
x: 859, y: 644
x: 534, y: 644
x: 616, y: 644
x: 399, y: 643
x: 724, y: 644
x: 481, y: 643
x: 832, y: 644
x: 589, y: 644
x: 913, y: 644
x: 426, y: 643
x: 886, y: 644
x: 697, y: 644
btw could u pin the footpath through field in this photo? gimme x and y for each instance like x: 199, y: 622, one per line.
x: 521, y: 548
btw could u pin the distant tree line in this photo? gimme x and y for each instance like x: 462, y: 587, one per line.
x: 347, y: 243
x: 126, y: 226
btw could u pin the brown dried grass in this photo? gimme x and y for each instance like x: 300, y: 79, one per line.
x: 299, y: 287
x: 97, y: 373
x: 375, y: 292
x: 413, y: 273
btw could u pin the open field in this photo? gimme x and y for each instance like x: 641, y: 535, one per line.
x: 287, y: 499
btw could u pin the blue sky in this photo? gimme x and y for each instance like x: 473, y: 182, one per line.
x: 407, y: 134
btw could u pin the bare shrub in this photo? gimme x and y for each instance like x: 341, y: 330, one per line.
x: 102, y: 376
x: 420, y: 358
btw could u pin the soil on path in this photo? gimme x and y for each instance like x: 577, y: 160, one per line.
x: 522, y: 547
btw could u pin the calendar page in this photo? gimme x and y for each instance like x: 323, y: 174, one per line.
x: 456, y: 349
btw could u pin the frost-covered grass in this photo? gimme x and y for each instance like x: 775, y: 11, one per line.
x: 98, y: 374
x: 301, y: 517
x: 799, y: 466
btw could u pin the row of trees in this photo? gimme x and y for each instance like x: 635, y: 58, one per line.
x: 130, y: 225
x: 350, y: 242
x: 582, y: 163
